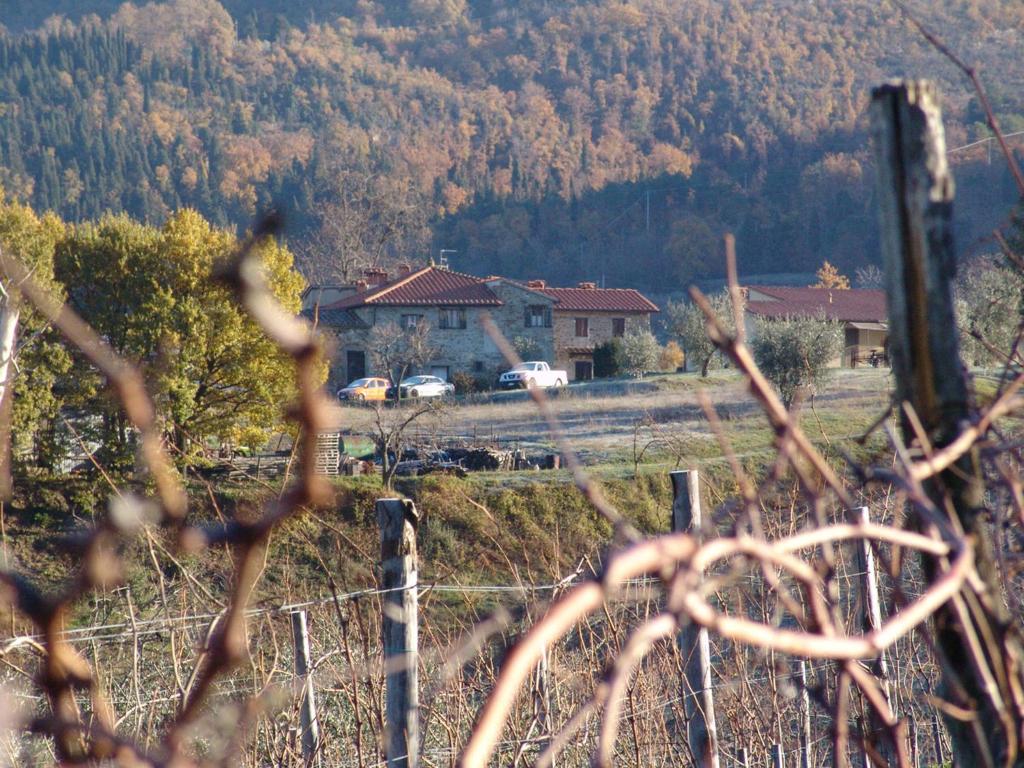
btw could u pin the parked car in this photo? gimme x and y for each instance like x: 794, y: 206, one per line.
x: 361, y: 390
x: 423, y: 386
x: 532, y: 374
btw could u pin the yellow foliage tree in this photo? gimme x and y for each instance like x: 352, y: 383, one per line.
x: 671, y: 357
x: 830, y: 277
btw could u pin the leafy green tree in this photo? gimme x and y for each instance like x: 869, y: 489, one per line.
x: 31, y: 357
x: 220, y: 376
x: 150, y: 293
x: 794, y: 353
x: 640, y: 352
x: 687, y: 323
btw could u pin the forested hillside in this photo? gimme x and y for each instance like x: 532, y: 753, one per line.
x: 554, y: 139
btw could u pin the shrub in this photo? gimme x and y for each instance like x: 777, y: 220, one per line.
x: 794, y: 353
x: 608, y: 359
x: 465, y: 382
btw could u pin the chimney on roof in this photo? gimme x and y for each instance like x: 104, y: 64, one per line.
x: 536, y: 284
x: 588, y: 286
x: 375, y: 277
x: 404, y: 269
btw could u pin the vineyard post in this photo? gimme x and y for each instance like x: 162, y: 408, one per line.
x: 694, y: 644
x: 310, y: 727
x: 778, y: 756
x: 872, y: 622
x: 805, y: 718
x: 915, y: 192
x: 915, y: 750
x: 940, y: 753
x: 398, y: 519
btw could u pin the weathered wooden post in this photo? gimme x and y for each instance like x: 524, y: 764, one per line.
x: 871, y: 622
x: 940, y: 753
x: 805, y: 718
x: 915, y: 749
x: 915, y: 194
x: 310, y: 727
x: 694, y: 644
x: 398, y: 519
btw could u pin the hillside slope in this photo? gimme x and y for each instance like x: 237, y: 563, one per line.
x: 562, y: 140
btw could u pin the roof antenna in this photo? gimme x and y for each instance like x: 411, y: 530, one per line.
x: 443, y: 257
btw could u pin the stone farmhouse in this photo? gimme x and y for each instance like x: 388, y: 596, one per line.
x: 565, y: 323
x: 862, y: 314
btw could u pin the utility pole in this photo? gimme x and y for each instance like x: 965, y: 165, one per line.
x: 397, y: 519
x: 694, y: 645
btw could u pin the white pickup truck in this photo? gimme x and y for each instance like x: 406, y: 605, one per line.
x: 532, y: 374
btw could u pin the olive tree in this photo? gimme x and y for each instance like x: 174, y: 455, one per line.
x: 989, y: 302
x: 687, y: 323
x: 794, y: 353
x: 640, y: 352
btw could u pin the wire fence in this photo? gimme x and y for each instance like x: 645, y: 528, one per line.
x: 150, y: 660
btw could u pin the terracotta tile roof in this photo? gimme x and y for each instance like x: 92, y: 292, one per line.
x: 599, y: 300
x: 853, y: 305
x: 430, y: 286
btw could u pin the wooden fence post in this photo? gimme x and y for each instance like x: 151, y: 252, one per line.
x: 915, y: 194
x: 743, y: 757
x: 778, y: 756
x: 310, y: 727
x: 398, y: 519
x: 694, y: 644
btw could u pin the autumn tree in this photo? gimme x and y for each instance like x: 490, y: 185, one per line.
x: 830, y: 277
x: 671, y: 357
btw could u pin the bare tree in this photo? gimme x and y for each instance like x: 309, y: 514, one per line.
x: 399, y: 351
x: 391, y: 427
x: 370, y: 219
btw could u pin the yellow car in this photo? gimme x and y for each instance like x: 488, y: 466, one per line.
x: 362, y: 390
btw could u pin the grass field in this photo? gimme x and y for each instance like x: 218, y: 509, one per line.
x: 609, y: 425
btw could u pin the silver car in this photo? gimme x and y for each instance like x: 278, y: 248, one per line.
x: 424, y: 386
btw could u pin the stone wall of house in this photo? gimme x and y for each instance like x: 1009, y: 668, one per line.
x: 467, y: 350
x: 570, y: 348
